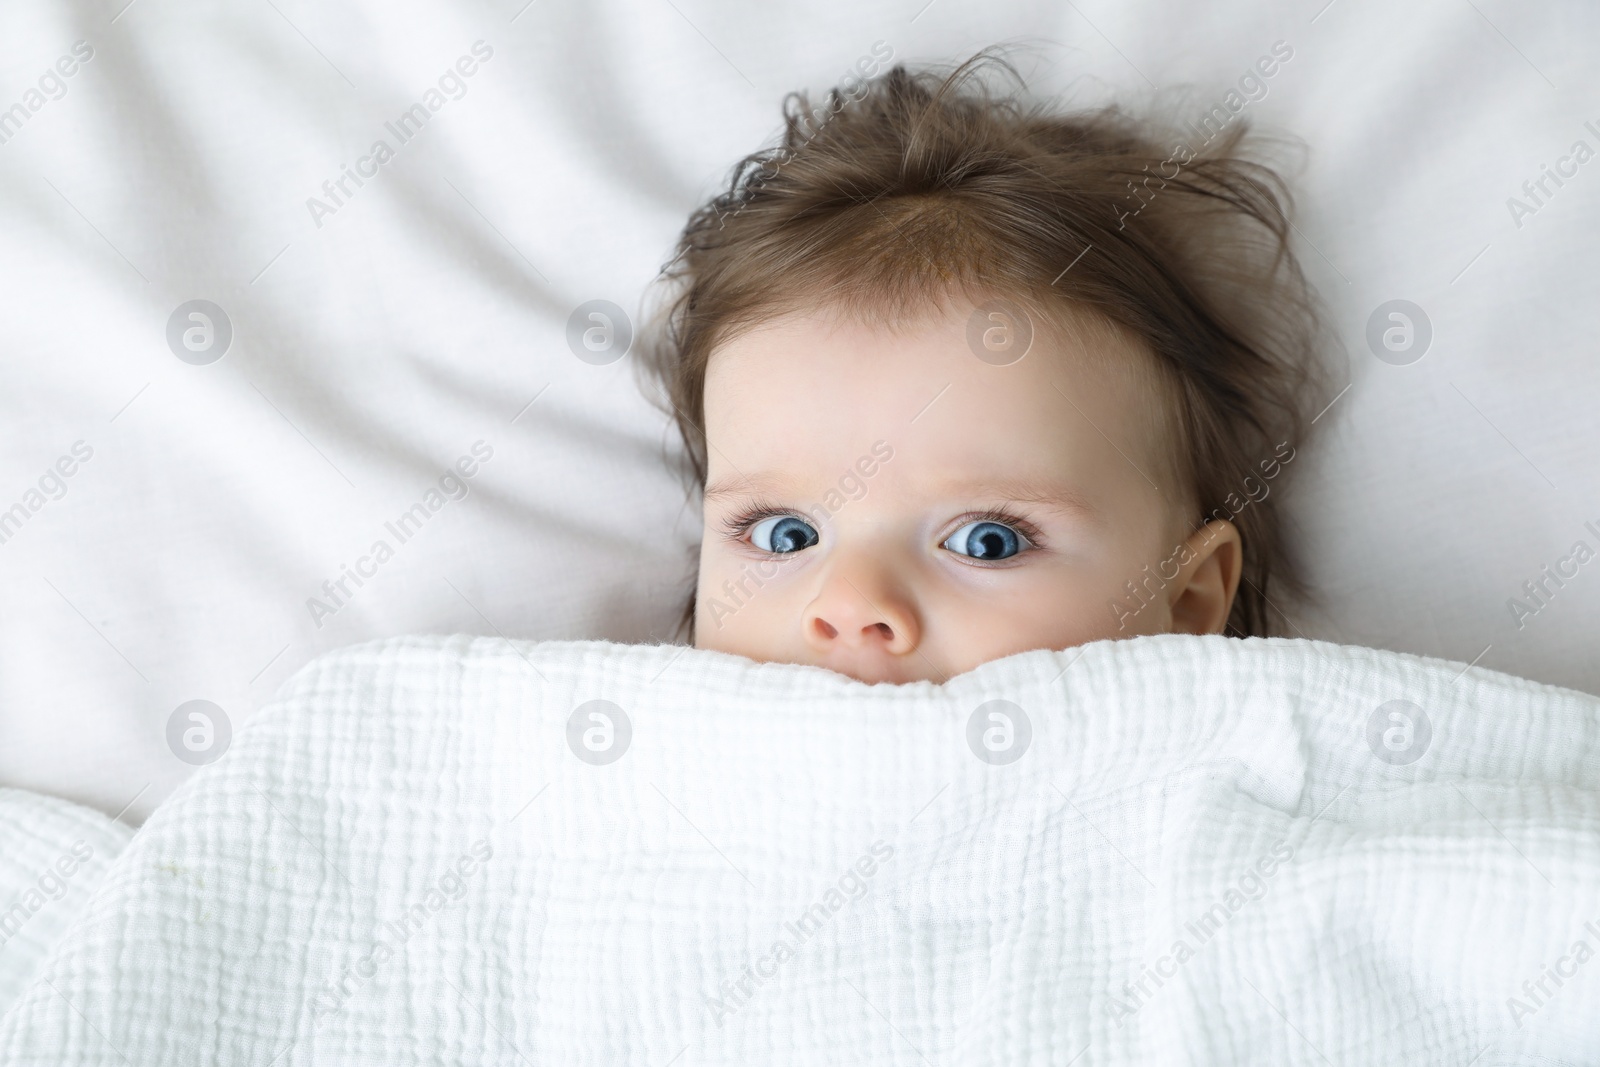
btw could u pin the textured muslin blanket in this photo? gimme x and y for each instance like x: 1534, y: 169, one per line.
x: 52, y: 855
x: 1168, y: 850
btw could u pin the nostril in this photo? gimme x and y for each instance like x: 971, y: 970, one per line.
x: 825, y: 628
x: 883, y: 630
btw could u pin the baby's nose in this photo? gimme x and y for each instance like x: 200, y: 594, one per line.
x: 848, y: 615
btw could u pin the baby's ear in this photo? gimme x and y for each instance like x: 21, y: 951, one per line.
x: 1201, y: 597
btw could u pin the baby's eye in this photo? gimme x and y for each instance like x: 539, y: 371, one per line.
x: 986, y: 540
x: 783, y: 534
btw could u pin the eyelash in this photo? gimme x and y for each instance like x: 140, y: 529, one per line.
x: 1027, y: 529
x: 737, y: 527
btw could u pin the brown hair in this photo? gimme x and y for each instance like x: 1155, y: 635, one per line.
x: 918, y: 186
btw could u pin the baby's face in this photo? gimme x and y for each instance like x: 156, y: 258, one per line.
x: 887, y: 505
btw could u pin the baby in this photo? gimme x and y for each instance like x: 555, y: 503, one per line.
x: 961, y: 377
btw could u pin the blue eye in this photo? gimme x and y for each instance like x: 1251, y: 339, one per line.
x: 986, y: 540
x: 783, y: 534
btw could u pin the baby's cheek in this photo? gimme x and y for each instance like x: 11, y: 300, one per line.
x: 735, y: 604
x: 1087, y: 616
x: 1068, y: 608
x: 715, y: 618
x: 1136, y: 600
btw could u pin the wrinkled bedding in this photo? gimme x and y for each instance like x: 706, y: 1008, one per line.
x: 1167, y: 850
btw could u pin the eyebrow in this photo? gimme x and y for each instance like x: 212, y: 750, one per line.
x: 1045, y: 494
x: 740, y: 485
x: 1011, y: 490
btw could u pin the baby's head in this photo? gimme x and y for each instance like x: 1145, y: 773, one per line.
x: 962, y: 378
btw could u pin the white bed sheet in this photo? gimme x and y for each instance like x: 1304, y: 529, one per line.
x: 424, y: 315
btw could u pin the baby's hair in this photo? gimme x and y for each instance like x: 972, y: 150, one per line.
x: 920, y: 187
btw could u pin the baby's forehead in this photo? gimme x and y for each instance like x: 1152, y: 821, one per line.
x: 849, y: 351
x: 817, y: 382
x: 993, y: 330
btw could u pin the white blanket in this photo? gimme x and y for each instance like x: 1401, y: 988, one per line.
x: 52, y: 856
x: 1207, y: 851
